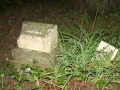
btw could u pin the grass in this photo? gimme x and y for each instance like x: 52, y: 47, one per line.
x: 77, y: 60
x: 76, y: 51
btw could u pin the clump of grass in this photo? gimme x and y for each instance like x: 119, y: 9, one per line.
x: 76, y: 59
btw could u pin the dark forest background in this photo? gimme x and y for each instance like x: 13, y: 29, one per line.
x: 105, y: 6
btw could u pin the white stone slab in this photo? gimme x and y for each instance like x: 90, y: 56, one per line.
x: 106, y: 48
x: 38, y: 36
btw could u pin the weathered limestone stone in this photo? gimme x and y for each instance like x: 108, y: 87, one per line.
x: 106, y: 48
x: 24, y: 56
x: 38, y: 37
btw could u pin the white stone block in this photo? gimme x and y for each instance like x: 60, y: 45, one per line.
x: 38, y: 36
x: 106, y: 48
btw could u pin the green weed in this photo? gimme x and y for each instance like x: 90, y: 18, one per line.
x: 77, y: 59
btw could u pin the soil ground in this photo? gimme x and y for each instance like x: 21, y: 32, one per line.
x: 10, y: 27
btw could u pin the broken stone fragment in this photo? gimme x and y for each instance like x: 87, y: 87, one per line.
x: 105, y: 48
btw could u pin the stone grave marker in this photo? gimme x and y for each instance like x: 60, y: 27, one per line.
x: 36, y: 41
x: 38, y: 36
x: 105, y: 49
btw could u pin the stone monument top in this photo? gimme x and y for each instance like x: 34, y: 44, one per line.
x: 38, y: 37
x: 34, y: 28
